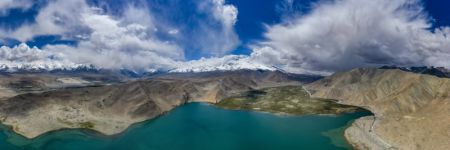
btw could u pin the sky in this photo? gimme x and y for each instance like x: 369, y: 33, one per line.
x: 300, y: 36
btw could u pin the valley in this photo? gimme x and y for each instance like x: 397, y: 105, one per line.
x: 293, y: 100
x: 410, y: 109
x: 112, y: 108
x: 224, y: 75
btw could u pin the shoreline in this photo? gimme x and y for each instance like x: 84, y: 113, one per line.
x: 358, y: 134
x: 356, y: 137
x: 89, y: 130
x: 112, y: 135
x: 282, y: 114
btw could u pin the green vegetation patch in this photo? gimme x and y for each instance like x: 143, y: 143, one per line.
x: 287, y: 99
x: 87, y: 125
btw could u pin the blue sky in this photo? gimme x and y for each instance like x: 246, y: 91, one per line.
x: 184, y: 30
x: 438, y: 9
x: 250, y: 26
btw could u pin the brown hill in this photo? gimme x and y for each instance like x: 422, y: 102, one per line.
x: 111, y: 109
x: 412, y: 111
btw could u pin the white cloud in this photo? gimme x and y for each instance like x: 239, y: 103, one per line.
x: 59, y: 17
x: 221, y: 39
x: 131, y: 39
x: 113, y: 44
x: 227, y: 14
x: 105, y: 41
x: 173, y: 31
x: 25, y: 57
x: 345, y: 34
x: 335, y: 35
x: 5, y: 5
x: 138, y: 15
x: 22, y: 53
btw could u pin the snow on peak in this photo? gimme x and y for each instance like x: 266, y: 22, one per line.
x: 41, y: 66
x: 24, y: 58
x: 226, y: 63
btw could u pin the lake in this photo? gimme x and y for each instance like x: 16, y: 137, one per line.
x: 199, y: 126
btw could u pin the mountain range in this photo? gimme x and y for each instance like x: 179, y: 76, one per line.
x: 228, y: 63
x: 411, y: 109
x: 410, y: 105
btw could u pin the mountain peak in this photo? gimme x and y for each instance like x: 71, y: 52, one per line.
x: 435, y: 71
x: 227, y: 63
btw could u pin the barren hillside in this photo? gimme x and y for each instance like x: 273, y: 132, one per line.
x: 411, y: 110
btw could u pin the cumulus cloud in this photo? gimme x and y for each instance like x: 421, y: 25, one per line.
x: 22, y: 53
x: 114, y: 46
x: 118, y: 43
x: 218, y: 39
x: 334, y: 35
x: 344, y: 34
x: 132, y: 37
x: 227, y: 14
x: 59, y: 17
x: 24, y: 57
x: 105, y: 41
x: 5, y: 5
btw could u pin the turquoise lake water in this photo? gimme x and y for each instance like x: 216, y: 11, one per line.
x: 199, y: 126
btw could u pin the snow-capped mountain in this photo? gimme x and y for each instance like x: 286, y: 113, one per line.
x: 23, y: 58
x: 226, y: 63
x: 40, y: 67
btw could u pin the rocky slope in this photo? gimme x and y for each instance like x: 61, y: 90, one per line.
x: 411, y: 110
x: 435, y: 71
x: 111, y: 109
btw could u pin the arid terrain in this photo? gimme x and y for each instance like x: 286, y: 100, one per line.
x: 111, y: 108
x: 12, y: 84
x: 293, y: 100
x: 411, y: 110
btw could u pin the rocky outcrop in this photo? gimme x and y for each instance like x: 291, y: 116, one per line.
x: 435, y: 71
x: 411, y: 110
